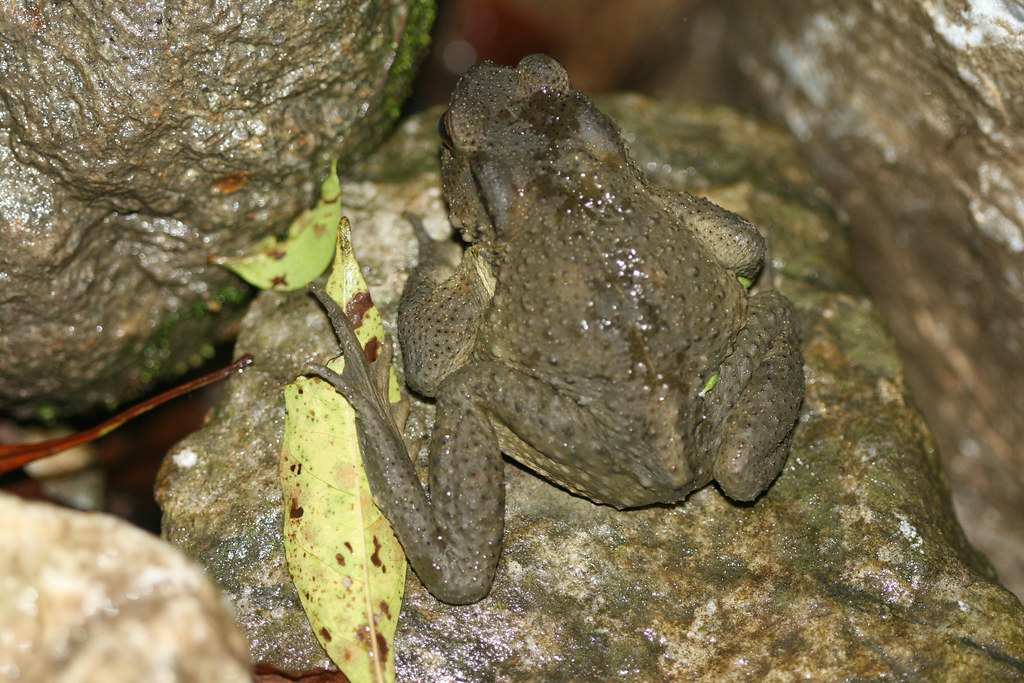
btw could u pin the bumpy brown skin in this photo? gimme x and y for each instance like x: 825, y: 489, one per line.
x: 576, y: 334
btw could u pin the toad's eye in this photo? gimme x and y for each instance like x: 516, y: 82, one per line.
x: 442, y: 130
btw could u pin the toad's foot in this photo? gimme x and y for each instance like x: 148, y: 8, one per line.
x: 767, y: 371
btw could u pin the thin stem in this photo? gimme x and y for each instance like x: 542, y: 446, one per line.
x: 13, y: 456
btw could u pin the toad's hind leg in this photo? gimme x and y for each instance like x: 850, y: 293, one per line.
x: 762, y: 386
x: 452, y: 539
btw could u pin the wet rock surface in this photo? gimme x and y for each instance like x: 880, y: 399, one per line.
x: 911, y: 112
x: 138, y: 140
x: 89, y: 598
x: 851, y: 565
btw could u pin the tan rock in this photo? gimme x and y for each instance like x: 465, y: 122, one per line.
x: 89, y: 598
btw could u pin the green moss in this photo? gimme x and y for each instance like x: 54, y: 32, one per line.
x: 48, y: 413
x: 160, y: 349
x: 410, y: 51
x: 415, y: 38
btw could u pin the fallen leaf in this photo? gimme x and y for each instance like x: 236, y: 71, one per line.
x: 292, y: 263
x: 343, y: 556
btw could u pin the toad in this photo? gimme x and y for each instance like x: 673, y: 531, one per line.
x: 595, y: 328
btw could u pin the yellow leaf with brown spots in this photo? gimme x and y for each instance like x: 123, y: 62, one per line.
x: 292, y: 263
x: 344, y: 558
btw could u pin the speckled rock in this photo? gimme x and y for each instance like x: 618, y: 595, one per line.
x: 912, y: 112
x: 88, y: 598
x: 139, y: 139
x: 850, y: 566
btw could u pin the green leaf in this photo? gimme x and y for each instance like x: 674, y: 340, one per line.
x: 292, y: 263
x: 344, y: 558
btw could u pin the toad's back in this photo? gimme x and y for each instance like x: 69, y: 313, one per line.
x: 616, y: 301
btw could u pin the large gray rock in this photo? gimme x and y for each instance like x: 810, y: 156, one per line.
x: 913, y: 112
x: 137, y: 140
x: 88, y: 598
x: 850, y: 566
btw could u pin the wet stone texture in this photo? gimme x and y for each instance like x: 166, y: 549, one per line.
x: 913, y: 112
x: 851, y: 565
x: 139, y: 139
